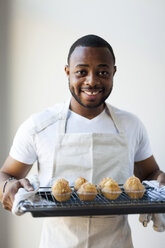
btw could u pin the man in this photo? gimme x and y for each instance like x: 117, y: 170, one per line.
x: 84, y: 137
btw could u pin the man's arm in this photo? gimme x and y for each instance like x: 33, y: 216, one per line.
x: 148, y: 169
x: 13, y: 168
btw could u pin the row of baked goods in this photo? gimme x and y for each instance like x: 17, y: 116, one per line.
x: 88, y: 191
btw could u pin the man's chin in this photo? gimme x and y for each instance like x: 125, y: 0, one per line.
x: 90, y: 104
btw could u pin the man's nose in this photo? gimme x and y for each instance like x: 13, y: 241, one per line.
x: 91, y: 80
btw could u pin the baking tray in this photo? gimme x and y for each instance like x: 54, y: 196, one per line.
x: 45, y: 205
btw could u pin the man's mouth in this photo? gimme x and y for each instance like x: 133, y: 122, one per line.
x: 91, y: 92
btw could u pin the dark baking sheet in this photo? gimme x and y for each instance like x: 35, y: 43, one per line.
x: 45, y: 205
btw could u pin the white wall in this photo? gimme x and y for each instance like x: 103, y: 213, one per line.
x: 39, y: 34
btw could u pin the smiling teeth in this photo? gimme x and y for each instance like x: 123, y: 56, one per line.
x: 91, y: 93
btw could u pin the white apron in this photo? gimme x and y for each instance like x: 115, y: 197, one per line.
x: 92, y: 156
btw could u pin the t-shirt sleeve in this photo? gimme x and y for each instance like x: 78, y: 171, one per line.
x: 23, y: 147
x: 143, y: 147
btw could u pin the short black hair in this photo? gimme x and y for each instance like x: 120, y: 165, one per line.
x: 90, y: 40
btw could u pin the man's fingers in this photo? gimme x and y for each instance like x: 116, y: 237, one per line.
x: 7, y: 203
x: 26, y: 184
x: 7, y: 207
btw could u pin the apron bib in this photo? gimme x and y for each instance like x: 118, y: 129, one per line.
x: 92, y: 156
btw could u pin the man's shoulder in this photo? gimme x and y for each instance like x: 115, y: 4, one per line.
x: 48, y: 112
x: 125, y: 116
x: 40, y: 120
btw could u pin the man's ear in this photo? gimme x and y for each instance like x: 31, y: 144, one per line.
x: 115, y: 69
x: 67, y: 71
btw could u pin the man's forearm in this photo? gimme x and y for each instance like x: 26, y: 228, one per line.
x: 154, y: 175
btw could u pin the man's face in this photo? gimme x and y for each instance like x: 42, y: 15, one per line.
x: 90, y: 74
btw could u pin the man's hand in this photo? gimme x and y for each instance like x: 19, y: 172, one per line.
x: 18, y: 170
x: 11, y: 189
x: 161, y: 179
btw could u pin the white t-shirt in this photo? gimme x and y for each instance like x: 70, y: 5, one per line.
x: 35, y: 140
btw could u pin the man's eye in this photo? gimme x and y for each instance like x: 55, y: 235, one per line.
x: 103, y: 73
x: 81, y: 73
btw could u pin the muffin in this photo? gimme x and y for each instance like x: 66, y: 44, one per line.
x: 111, y: 190
x: 61, y: 190
x: 134, y: 188
x: 79, y: 182
x: 103, y: 181
x: 87, y: 192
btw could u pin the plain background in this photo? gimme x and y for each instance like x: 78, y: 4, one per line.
x: 35, y: 37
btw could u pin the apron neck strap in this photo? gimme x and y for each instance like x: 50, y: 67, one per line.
x: 114, y: 117
x: 62, y: 117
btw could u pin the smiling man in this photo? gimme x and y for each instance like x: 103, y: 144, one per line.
x: 85, y: 137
